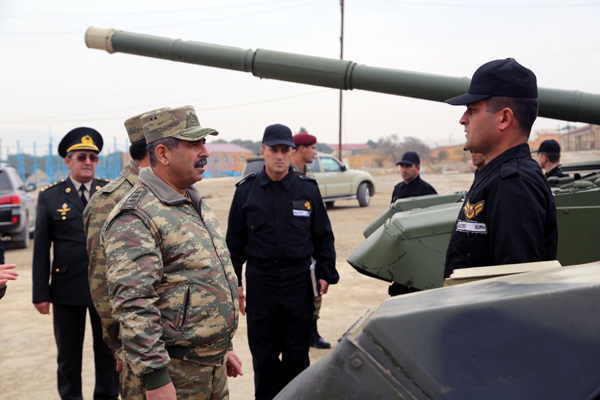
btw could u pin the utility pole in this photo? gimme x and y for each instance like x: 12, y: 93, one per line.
x: 341, y: 58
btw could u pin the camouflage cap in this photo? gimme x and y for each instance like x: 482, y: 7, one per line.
x: 134, y: 126
x: 180, y: 123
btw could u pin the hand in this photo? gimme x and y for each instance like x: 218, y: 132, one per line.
x: 119, y: 367
x: 234, y: 365
x: 324, y: 286
x: 6, y: 275
x: 166, y: 392
x: 242, y: 300
x: 43, y: 307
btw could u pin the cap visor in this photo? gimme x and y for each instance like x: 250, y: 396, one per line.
x: 466, y: 98
x: 276, y: 142
x: 192, y: 135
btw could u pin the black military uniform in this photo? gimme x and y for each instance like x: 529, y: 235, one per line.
x: 275, y: 227
x: 416, y: 187
x: 64, y: 282
x: 556, y: 171
x: 508, y: 216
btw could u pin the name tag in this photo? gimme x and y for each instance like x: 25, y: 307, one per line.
x: 301, y: 213
x: 474, y: 227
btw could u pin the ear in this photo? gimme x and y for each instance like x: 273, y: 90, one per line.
x: 262, y: 152
x: 419, y: 168
x: 68, y: 162
x: 163, y: 155
x: 505, y: 118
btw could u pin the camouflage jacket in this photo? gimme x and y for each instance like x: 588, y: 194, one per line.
x: 94, y: 215
x: 171, y: 282
x: 307, y: 171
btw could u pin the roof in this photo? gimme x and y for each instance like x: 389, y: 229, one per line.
x: 226, y: 148
x: 349, y: 146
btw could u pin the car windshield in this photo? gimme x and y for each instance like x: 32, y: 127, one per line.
x: 330, y: 164
x: 5, y: 181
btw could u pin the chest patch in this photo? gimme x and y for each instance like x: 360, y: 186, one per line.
x: 301, y: 208
x: 472, y: 210
x: 471, y: 227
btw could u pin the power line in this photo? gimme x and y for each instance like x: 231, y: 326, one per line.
x: 171, y: 24
x: 122, y: 117
x: 475, y: 5
x: 161, y: 12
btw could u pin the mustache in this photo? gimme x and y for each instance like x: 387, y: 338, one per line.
x: 200, y: 163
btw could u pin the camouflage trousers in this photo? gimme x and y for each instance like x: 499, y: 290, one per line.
x: 192, y: 382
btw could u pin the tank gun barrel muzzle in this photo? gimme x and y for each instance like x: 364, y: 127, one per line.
x: 558, y: 104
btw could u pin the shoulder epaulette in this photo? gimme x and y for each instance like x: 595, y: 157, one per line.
x: 112, y: 185
x: 246, y: 179
x: 53, y: 184
x: 134, y: 198
x: 307, y: 178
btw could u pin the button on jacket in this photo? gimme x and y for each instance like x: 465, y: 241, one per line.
x: 280, y: 220
x: 416, y: 187
x: 508, y: 216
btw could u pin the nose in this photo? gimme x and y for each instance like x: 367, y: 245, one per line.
x: 463, y: 120
x: 203, y: 151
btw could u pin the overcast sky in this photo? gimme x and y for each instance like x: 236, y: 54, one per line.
x: 51, y: 82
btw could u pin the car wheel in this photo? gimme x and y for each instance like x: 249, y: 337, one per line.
x: 329, y: 204
x: 364, y: 195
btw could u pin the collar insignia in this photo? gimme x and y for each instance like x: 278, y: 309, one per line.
x: 472, y: 210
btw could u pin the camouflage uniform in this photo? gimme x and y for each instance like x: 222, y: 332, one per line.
x: 172, y: 286
x: 98, y: 208
x: 307, y: 171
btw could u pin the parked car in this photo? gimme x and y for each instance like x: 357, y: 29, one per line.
x: 336, y: 181
x: 17, y: 208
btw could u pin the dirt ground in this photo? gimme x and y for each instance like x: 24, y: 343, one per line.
x: 28, y: 351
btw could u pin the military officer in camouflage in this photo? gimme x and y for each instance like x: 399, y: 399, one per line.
x: 94, y: 215
x: 171, y: 283
x: 63, y: 281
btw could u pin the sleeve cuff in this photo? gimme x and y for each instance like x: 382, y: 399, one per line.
x: 157, y: 378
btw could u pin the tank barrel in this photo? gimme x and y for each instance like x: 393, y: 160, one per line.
x: 565, y: 105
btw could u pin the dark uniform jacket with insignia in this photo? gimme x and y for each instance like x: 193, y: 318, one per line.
x: 556, y: 171
x: 508, y: 216
x: 59, y: 223
x: 280, y: 220
x: 417, y: 187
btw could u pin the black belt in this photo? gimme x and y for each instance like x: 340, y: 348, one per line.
x: 281, y: 262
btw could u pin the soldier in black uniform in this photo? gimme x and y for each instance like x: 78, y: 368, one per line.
x: 413, y: 185
x: 509, y: 215
x: 276, y: 223
x: 549, y: 158
x: 64, y: 282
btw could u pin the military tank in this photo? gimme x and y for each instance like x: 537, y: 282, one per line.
x: 518, y: 336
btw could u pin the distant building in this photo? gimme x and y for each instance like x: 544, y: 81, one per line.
x: 347, y: 149
x: 585, y: 138
x: 225, y: 159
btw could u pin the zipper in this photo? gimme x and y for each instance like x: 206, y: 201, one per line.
x: 186, y: 304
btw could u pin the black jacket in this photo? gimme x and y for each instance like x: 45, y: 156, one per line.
x: 556, y: 171
x: 59, y: 222
x: 508, y: 216
x: 417, y: 187
x: 280, y: 220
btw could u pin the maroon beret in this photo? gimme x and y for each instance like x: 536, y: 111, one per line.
x: 304, y: 139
